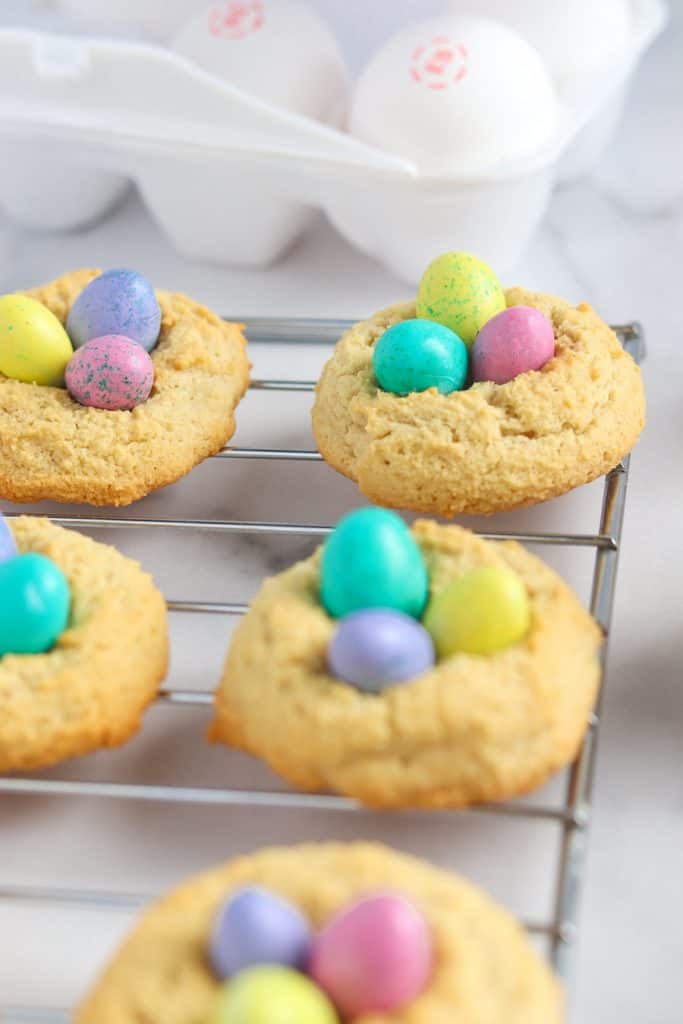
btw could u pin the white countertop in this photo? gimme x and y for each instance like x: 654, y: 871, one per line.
x: 615, y: 241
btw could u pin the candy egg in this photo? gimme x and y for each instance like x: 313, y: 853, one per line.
x: 415, y: 355
x: 374, y: 957
x: 375, y: 648
x: 255, y: 927
x: 8, y: 545
x: 34, y: 347
x: 460, y: 291
x: 271, y: 995
x: 111, y: 372
x: 117, y: 302
x: 515, y: 341
x: 372, y: 561
x: 34, y: 604
x: 483, y: 611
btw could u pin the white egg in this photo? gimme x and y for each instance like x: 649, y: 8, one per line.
x: 457, y: 95
x: 574, y: 37
x: 157, y: 19
x: 277, y: 50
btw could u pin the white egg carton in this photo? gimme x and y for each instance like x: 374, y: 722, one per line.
x: 234, y: 180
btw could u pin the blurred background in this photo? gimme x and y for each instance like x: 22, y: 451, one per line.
x: 306, y: 180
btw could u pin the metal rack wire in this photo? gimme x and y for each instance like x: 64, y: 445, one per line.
x: 571, y: 818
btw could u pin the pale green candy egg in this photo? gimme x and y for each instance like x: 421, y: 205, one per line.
x: 34, y: 347
x: 483, y: 611
x: 271, y: 995
x: 460, y: 291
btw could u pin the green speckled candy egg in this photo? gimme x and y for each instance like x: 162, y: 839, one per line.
x: 461, y: 292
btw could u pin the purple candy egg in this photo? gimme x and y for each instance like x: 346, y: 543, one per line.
x: 111, y: 372
x: 379, y: 647
x: 257, y: 927
x: 515, y: 341
x: 8, y: 545
x: 117, y: 302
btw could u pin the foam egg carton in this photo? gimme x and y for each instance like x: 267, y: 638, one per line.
x: 234, y: 180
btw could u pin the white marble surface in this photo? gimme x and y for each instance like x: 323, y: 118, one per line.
x: 614, y: 240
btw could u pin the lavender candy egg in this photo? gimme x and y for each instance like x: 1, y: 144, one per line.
x: 111, y: 373
x: 8, y: 545
x: 378, y: 647
x: 515, y: 341
x: 117, y: 302
x: 256, y: 927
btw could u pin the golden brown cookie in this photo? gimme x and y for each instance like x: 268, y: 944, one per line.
x: 89, y: 691
x: 492, y: 446
x: 52, y: 447
x: 486, y: 971
x: 474, y: 728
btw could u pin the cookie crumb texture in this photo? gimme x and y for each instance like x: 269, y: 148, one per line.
x: 491, y: 447
x: 474, y: 728
x: 53, y: 448
x: 486, y: 970
x: 89, y: 691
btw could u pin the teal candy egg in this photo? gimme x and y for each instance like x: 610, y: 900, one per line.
x: 415, y: 355
x: 372, y: 561
x: 34, y: 604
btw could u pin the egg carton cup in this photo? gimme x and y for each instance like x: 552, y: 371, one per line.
x: 231, y: 179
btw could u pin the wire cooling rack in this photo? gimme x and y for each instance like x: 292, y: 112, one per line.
x: 571, y: 818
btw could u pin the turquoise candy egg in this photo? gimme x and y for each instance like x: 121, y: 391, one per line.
x: 415, y: 355
x: 372, y: 561
x: 34, y: 604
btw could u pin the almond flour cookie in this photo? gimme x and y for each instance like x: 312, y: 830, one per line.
x: 485, y: 970
x: 91, y: 689
x: 471, y: 729
x: 490, y: 447
x: 53, y: 448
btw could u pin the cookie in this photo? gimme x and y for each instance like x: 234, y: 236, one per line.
x: 53, y: 448
x: 474, y: 728
x: 91, y: 689
x: 485, y: 970
x: 493, y: 446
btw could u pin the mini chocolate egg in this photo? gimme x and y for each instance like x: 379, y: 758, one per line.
x: 374, y: 957
x: 111, y: 373
x: 377, y: 647
x: 8, y: 545
x: 483, y: 611
x: 256, y: 926
x: 415, y: 355
x: 372, y: 561
x: 271, y: 995
x: 460, y: 291
x: 34, y: 347
x: 515, y: 341
x: 35, y: 601
x: 120, y: 302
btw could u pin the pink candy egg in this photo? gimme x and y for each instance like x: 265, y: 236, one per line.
x: 110, y: 372
x: 515, y: 341
x: 374, y: 957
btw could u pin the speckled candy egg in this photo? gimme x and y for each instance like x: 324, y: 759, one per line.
x: 34, y: 604
x: 118, y: 302
x: 515, y: 341
x: 372, y: 561
x: 34, y: 347
x: 256, y: 926
x: 112, y: 372
x: 484, y: 611
x: 376, y: 647
x: 271, y: 995
x: 415, y: 355
x: 460, y: 291
x: 375, y: 957
x: 8, y: 545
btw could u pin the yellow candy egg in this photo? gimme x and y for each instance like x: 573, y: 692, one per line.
x: 34, y: 347
x: 483, y: 611
x: 460, y: 291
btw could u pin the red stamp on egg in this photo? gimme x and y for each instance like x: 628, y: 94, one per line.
x: 438, y: 64
x: 236, y: 19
